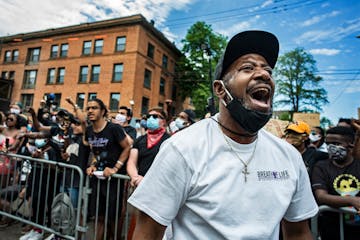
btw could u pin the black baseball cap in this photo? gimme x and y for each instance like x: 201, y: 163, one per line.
x: 254, y: 41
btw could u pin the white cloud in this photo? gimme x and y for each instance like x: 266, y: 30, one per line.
x: 324, y: 51
x: 331, y: 34
x: 16, y: 16
x: 239, y: 27
x: 263, y: 5
x: 319, y: 18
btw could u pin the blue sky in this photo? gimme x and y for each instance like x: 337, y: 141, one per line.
x: 326, y: 29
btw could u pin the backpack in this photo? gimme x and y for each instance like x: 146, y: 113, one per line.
x: 63, y: 218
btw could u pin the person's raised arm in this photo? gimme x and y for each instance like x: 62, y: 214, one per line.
x: 77, y: 110
x: 36, y: 122
x: 147, y: 228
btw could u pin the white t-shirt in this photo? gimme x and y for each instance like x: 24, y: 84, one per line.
x: 196, y: 186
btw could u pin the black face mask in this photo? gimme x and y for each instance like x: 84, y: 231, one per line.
x: 250, y: 120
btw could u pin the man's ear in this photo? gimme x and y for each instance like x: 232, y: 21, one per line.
x: 219, y: 89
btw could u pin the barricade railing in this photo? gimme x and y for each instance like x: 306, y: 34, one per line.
x: 101, y: 198
x: 114, y: 215
x: 43, y: 181
x: 325, y: 208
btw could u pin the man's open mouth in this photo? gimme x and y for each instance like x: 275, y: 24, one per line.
x: 260, y: 97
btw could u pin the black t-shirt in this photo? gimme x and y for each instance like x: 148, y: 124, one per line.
x: 106, y: 145
x: 338, y: 181
x: 146, y: 155
x: 131, y: 131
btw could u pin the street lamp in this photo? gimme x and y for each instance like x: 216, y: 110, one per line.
x: 210, y: 101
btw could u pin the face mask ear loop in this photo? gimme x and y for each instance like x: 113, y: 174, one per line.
x: 227, y: 93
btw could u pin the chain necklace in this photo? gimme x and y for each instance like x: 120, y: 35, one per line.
x: 246, y: 164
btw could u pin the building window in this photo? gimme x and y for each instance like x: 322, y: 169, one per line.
x: 118, y: 72
x: 98, y: 48
x: 33, y: 55
x: 60, y: 76
x: 84, y: 70
x: 57, y: 98
x: 27, y: 100
x: 162, y: 86
x: 120, y: 44
x: 15, y: 55
x: 80, y: 100
x: 114, y: 101
x: 7, y: 57
x: 150, y: 51
x: 50, y: 76
x: 144, y: 106
x: 147, y: 79
x: 4, y: 74
x: 165, y: 61
x: 91, y: 96
x: 64, y: 50
x: 12, y: 75
x: 54, y: 51
x: 87, y: 48
x: 95, y: 74
x: 29, y: 79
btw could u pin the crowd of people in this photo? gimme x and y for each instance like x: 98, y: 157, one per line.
x: 219, y: 177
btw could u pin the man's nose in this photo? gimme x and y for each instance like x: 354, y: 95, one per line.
x: 262, y: 74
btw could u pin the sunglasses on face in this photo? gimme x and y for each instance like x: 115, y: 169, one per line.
x: 154, y: 116
x: 10, y: 119
x: 92, y: 107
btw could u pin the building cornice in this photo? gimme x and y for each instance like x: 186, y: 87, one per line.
x: 85, y: 27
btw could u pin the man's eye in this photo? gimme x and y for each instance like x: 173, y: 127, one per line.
x: 269, y: 70
x: 246, y: 68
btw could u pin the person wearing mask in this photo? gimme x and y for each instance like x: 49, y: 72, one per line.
x: 144, y: 151
x: 209, y: 181
x: 123, y: 118
x: 336, y: 183
x: 147, y: 146
x: 184, y: 119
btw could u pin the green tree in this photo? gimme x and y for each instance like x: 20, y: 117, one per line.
x: 325, y: 123
x: 192, y: 71
x: 297, y: 85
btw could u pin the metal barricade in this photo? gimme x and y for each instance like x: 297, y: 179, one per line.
x: 42, y: 185
x: 324, y: 208
x: 113, y: 215
x: 105, y: 199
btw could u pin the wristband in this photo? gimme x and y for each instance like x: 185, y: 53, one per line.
x: 120, y: 162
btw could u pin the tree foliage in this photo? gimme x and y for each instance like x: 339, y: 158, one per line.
x: 192, y: 71
x: 297, y: 85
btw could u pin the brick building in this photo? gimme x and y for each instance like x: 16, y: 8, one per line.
x: 122, y: 61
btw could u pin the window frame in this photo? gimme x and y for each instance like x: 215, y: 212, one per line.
x: 54, y: 51
x: 87, y: 50
x: 51, y: 76
x: 117, y: 76
x: 64, y: 49
x: 120, y: 47
x: 95, y: 75
x: 28, y: 78
x: 81, y: 75
x: 150, y: 51
x: 60, y: 76
x: 98, y: 49
x: 147, y: 79
x: 112, y: 107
